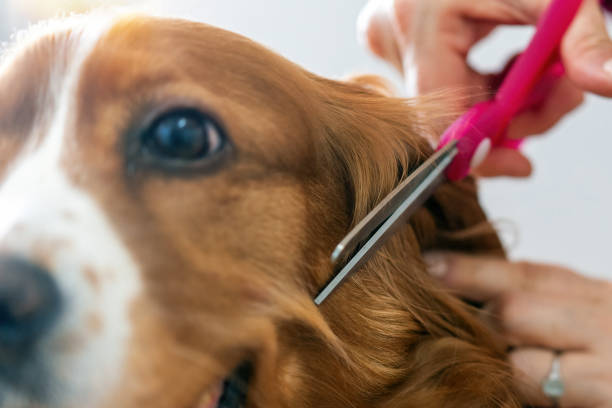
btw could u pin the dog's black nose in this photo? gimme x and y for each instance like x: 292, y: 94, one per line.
x: 30, y: 302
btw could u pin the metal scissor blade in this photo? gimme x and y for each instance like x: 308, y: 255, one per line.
x: 435, y: 164
x: 389, y: 215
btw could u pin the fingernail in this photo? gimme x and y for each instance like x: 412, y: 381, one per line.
x: 437, y: 265
x: 608, y: 67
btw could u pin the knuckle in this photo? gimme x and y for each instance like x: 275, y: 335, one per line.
x: 372, y: 38
x: 509, y: 309
x: 588, y: 41
x: 454, y: 274
x: 525, y: 273
x: 375, y: 30
x: 368, y: 26
x: 530, y: 276
x: 533, y: 277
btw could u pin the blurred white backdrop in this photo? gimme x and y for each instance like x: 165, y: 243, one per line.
x: 561, y: 215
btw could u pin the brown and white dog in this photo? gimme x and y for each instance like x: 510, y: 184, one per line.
x: 169, y: 196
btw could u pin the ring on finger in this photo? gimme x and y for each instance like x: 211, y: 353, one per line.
x: 553, y: 386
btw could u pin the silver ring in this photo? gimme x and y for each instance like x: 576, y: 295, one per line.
x: 553, y: 386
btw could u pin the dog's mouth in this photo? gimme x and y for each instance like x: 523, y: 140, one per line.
x: 231, y: 392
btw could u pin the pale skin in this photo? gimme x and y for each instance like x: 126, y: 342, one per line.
x: 539, y: 309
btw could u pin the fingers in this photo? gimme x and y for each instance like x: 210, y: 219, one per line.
x: 505, y: 162
x: 483, y: 278
x: 587, y: 50
x: 435, y: 37
x: 555, y: 322
x: 583, y: 375
x: 425, y: 42
x: 375, y: 30
x: 436, y: 49
x: 563, y: 99
x: 531, y: 304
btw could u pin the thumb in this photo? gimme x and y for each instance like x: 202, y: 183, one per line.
x: 375, y: 31
x: 587, y: 50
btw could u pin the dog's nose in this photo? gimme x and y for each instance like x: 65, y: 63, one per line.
x: 30, y: 302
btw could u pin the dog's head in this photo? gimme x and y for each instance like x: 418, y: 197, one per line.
x: 169, y: 197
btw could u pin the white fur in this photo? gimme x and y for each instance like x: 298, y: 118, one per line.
x: 41, y: 210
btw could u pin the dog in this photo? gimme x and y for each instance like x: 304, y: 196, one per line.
x: 170, y: 194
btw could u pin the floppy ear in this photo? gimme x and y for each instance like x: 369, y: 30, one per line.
x: 380, y: 139
x: 373, y: 141
x: 392, y: 324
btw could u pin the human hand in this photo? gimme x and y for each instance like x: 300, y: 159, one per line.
x: 540, y: 310
x: 429, y: 40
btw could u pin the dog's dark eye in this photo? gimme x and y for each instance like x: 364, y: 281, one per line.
x: 185, y: 136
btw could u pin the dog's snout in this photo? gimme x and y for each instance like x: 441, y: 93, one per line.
x: 30, y: 302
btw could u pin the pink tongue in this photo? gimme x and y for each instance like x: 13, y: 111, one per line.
x: 211, y: 398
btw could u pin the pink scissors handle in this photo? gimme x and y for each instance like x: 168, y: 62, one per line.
x: 527, y: 84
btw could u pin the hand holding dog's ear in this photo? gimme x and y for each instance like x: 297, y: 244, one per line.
x: 540, y: 309
x: 429, y: 41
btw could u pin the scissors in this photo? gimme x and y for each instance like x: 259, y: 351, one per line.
x: 465, y: 144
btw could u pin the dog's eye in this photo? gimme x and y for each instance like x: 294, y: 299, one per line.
x: 184, y: 135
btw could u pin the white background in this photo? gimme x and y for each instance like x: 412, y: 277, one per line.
x: 561, y: 215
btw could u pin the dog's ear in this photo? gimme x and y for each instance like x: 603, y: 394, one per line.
x: 374, y: 140
x: 370, y: 143
x: 369, y: 140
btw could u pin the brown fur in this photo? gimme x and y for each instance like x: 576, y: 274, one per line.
x: 232, y: 258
